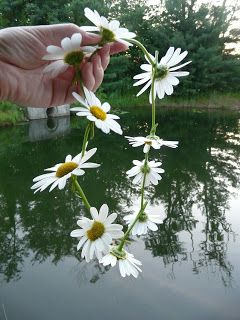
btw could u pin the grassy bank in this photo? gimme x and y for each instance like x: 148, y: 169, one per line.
x: 10, y: 114
x: 230, y: 101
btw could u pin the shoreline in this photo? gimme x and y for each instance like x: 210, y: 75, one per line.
x: 11, y: 115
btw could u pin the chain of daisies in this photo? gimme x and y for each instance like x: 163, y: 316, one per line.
x: 110, y: 32
x: 118, y: 251
x: 89, y: 130
x: 143, y: 204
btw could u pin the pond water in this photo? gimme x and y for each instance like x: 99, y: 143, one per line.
x: 191, y: 265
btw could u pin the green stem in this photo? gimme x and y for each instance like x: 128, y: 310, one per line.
x: 153, y: 129
x: 139, y: 45
x: 80, y: 192
x: 120, y: 247
x: 142, y: 208
x: 144, y: 179
x: 85, y: 138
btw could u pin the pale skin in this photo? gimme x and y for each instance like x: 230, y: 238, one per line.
x: 22, y: 80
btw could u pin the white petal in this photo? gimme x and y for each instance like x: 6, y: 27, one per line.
x: 44, y: 176
x: 62, y: 182
x: 142, y: 75
x: 174, y: 57
x: 147, y: 85
x: 90, y: 165
x: 81, y: 242
x: 94, y: 17
x: 146, y: 67
x: 122, y: 268
x: 152, y: 226
x: 89, y: 28
x: 66, y: 44
x: 77, y: 233
x: 76, y: 40
x: 88, y: 155
x: 68, y: 158
x: 114, y: 24
x: 81, y: 100
x: 94, y: 213
x: 179, y: 73
x: 103, y: 212
x: 110, y: 218
x: 177, y: 57
x: 54, y: 50
x: 167, y: 56
x: 106, y: 106
x: 138, y: 83
x: 180, y: 66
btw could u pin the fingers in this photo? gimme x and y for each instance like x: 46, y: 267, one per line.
x: 89, y: 38
x: 117, y: 47
x: 92, y: 73
x: 53, y: 34
x: 88, y: 76
x: 105, y: 57
x: 98, y: 72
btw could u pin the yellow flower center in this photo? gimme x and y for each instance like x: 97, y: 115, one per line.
x: 98, y: 113
x: 65, y: 168
x: 74, y: 58
x: 148, y: 142
x: 107, y: 36
x: 96, y: 231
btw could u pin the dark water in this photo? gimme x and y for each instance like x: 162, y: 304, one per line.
x: 191, y: 266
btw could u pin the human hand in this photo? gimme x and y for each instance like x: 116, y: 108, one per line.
x: 22, y: 79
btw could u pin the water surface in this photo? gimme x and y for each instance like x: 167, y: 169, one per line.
x: 191, y: 266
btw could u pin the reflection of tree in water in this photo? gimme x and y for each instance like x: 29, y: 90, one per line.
x: 199, y: 174
x: 13, y: 245
x: 215, y: 174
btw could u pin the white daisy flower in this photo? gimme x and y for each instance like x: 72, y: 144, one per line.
x: 164, y: 74
x: 152, y: 172
x: 70, y: 54
x: 110, y: 31
x: 128, y: 265
x: 61, y: 172
x: 97, y: 112
x: 145, y: 221
x: 150, y: 141
x: 96, y: 235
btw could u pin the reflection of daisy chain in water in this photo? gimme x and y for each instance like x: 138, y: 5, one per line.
x: 97, y: 112
x: 150, y: 169
x: 96, y: 235
x: 128, y: 265
x: 61, y: 172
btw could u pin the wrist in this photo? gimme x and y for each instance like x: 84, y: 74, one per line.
x: 7, y: 78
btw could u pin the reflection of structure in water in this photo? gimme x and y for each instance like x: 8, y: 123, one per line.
x: 47, y: 123
x: 44, y: 129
